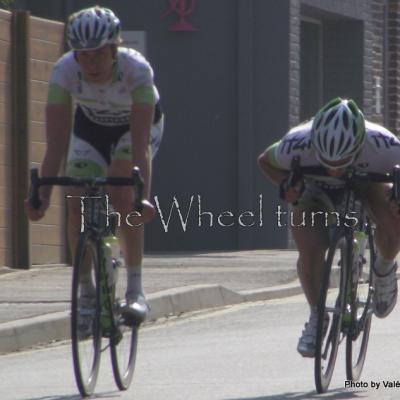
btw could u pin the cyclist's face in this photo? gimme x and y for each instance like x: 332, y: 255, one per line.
x: 96, y: 64
x: 337, y: 168
x: 337, y: 172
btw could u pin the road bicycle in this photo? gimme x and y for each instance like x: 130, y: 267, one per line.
x: 345, y: 305
x: 101, y: 313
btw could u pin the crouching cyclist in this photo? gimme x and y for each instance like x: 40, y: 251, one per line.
x: 337, y: 137
x: 117, y: 124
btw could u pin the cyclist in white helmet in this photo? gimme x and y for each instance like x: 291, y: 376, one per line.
x: 117, y: 124
x: 337, y: 137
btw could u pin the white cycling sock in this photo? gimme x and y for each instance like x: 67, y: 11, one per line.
x: 383, y: 265
x: 134, y: 284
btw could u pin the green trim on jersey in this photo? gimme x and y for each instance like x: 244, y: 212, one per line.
x: 58, y: 95
x: 144, y: 95
x: 271, y: 154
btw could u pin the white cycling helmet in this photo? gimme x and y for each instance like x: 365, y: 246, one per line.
x: 92, y: 28
x: 338, y: 132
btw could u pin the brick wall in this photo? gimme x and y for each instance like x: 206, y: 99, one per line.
x: 294, y: 66
x: 393, y: 66
x: 374, y: 65
x: 5, y: 135
x: 372, y: 12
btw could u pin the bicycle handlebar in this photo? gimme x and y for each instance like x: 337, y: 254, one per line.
x: 297, y: 172
x: 135, y: 180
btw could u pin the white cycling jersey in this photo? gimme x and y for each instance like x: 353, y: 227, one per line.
x: 107, y: 104
x: 380, y: 151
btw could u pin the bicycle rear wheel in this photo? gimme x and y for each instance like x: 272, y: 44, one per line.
x: 123, y: 342
x: 361, y: 312
x: 85, y: 316
x: 331, y: 305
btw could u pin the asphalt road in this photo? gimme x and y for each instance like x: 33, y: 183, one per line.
x: 244, y: 352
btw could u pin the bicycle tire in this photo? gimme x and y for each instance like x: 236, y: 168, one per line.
x: 331, y: 302
x: 86, y: 348
x: 358, y: 337
x: 123, y: 354
x: 123, y: 341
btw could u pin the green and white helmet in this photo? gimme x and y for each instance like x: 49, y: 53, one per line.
x: 92, y: 28
x: 338, y: 132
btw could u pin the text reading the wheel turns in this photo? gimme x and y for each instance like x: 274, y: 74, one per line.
x: 107, y: 211
x: 373, y: 384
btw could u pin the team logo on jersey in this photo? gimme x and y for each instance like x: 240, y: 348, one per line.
x: 385, y: 141
x: 107, y: 117
x: 294, y: 143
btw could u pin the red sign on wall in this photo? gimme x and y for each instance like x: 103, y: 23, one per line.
x: 183, y: 9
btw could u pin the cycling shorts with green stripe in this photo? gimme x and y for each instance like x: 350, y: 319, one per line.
x: 93, y: 147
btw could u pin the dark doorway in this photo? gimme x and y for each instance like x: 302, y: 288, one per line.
x: 311, y: 64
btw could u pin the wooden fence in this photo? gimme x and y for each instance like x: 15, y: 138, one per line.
x: 28, y: 48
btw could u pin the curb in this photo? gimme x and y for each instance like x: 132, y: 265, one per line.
x: 29, y: 332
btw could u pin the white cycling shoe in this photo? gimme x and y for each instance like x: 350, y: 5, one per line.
x: 385, y: 295
x: 136, y: 309
x: 308, y: 338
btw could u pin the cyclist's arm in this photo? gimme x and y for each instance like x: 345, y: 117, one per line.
x: 269, y: 166
x: 141, y: 121
x: 274, y: 172
x: 58, y: 130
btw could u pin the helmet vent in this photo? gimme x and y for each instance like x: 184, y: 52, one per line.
x: 318, y: 124
x: 336, y: 122
x: 331, y: 148
x: 349, y: 140
x: 325, y: 146
x: 354, y: 128
x: 341, y: 140
x: 345, y: 120
x: 330, y: 117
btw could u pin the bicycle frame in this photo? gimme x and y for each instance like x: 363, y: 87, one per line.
x: 345, y: 231
x: 95, y: 226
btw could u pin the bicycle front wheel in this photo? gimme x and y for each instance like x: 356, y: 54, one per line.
x: 85, y: 316
x: 123, y: 341
x: 361, y: 312
x: 330, y: 312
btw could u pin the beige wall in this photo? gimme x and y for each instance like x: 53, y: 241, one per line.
x: 46, y: 45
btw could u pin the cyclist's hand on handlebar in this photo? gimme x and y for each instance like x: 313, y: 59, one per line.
x: 36, y: 214
x: 291, y: 194
x: 148, y: 212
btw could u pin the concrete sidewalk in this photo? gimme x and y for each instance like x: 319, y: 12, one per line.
x: 34, y: 304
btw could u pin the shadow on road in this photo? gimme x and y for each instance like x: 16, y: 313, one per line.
x: 334, y: 394
x: 104, y: 395
x: 57, y: 397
